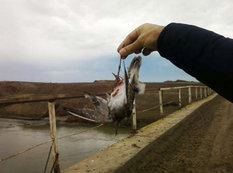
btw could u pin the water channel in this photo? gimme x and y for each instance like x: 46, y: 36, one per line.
x: 17, y: 135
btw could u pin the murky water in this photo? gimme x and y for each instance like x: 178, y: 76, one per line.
x: 17, y: 135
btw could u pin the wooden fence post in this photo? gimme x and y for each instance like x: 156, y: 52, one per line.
x: 180, y: 98
x: 161, y: 101
x: 190, y: 95
x: 196, y: 93
x: 205, y: 91
x: 201, y: 92
x: 52, y: 120
x: 134, y: 117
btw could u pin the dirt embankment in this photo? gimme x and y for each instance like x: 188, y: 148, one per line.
x: 27, y: 90
x: 203, y: 143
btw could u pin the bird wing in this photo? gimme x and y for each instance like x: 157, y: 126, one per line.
x: 101, y: 108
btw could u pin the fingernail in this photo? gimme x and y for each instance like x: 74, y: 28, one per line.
x: 122, y: 51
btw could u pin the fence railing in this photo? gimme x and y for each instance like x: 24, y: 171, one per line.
x: 204, y: 92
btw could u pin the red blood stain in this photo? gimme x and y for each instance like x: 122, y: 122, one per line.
x: 115, y: 93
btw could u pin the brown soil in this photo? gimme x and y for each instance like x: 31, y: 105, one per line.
x: 202, y: 143
x: 28, y: 90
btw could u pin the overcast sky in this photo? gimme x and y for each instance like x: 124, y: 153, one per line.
x: 76, y: 41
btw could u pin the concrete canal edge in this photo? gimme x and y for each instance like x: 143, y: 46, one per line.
x: 118, y: 154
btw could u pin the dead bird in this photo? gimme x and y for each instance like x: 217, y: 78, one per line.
x: 119, y: 104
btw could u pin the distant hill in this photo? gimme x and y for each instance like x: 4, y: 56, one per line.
x: 178, y: 80
x: 102, y: 81
x: 29, y: 90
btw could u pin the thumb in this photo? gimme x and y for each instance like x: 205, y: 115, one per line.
x: 147, y: 51
x: 134, y: 47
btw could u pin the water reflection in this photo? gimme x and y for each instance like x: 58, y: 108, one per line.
x: 17, y: 135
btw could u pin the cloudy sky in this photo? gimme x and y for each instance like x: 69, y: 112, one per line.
x: 76, y: 41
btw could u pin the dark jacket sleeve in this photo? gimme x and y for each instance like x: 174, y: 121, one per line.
x: 205, y: 55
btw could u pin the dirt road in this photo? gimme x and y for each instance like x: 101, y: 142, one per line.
x: 204, y: 143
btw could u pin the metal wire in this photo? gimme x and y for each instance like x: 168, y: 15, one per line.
x: 48, y: 157
x: 54, y: 163
x: 45, y: 142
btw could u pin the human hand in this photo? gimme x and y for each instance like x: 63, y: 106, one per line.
x: 142, y: 39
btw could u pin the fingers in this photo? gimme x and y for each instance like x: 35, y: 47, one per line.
x: 134, y: 47
x: 147, y: 51
x: 128, y: 40
x: 138, y: 51
x: 142, y: 39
